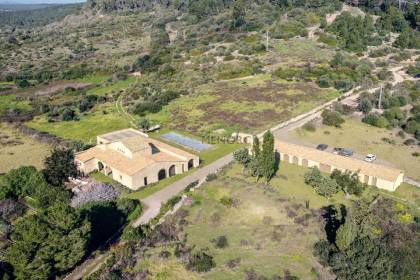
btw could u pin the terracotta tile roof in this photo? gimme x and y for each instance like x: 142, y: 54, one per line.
x: 131, y: 166
x: 337, y: 161
x: 115, y: 159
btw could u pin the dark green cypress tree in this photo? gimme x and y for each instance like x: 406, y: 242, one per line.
x: 268, y: 157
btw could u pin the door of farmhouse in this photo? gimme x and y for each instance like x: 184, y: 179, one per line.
x: 305, y: 162
x: 286, y: 158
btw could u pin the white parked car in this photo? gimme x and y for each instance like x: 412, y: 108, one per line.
x: 370, y: 157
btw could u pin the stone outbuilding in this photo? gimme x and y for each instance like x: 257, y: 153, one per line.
x: 373, y: 174
x: 133, y: 159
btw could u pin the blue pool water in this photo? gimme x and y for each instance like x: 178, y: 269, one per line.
x: 186, y: 141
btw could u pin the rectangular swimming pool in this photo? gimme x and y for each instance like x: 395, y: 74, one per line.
x: 186, y: 141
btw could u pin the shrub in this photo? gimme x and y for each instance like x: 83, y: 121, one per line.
x: 376, y: 120
x: 365, y: 105
x: 324, y: 82
x: 190, y: 186
x: 309, y: 126
x: 69, y: 115
x: 211, y: 177
x: 415, y: 154
x: 226, y: 201
x: 23, y: 83
x: 332, y: 118
x: 134, y: 234
x: 201, y: 262
x: 127, y: 205
x: 389, y: 141
x: 289, y: 29
x: 220, y: 242
x: 327, y: 39
x: 412, y: 127
x: 401, y: 134
x: 409, y: 142
x: 233, y: 263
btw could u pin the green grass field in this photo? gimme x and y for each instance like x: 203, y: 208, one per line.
x: 93, y: 79
x: 25, y: 150
x: 115, y: 86
x: 87, y: 128
x: 365, y: 139
x: 11, y: 101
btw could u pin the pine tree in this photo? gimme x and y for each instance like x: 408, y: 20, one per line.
x: 268, y: 156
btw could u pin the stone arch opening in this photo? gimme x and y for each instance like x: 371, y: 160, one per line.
x: 100, y: 166
x: 190, y: 164
x: 161, y: 174
x: 172, y: 171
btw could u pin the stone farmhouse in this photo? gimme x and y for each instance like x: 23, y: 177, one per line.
x: 373, y: 174
x: 133, y: 159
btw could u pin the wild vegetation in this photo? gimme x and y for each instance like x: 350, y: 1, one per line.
x: 238, y: 228
x: 210, y: 67
x: 42, y: 235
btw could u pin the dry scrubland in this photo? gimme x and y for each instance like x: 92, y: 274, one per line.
x: 251, y: 104
x: 366, y: 139
x: 17, y: 149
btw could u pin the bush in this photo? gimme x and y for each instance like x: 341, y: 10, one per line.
x: 226, y: 201
x: 134, y: 234
x: 409, y: 142
x: 415, y: 154
x: 200, y: 262
x: 23, y: 83
x: 211, y: 177
x: 412, y: 127
x: 309, y: 126
x: 324, y: 82
x: 389, y: 141
x: 376, y: 120
x: 332, y: 118
x: 69, y: 115
x: 365, y: 105
x: 220, y: 242
x: 190, y: 186
x: 127, y: 205
x: 289, y: 30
